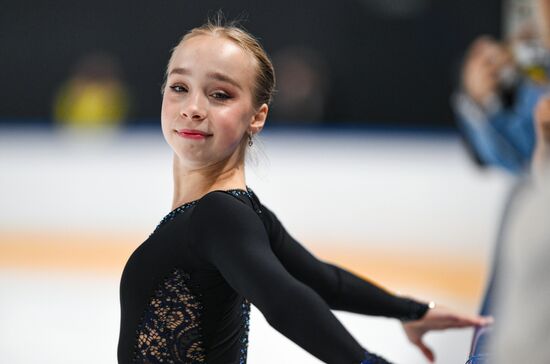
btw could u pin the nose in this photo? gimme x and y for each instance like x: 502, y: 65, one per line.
x: 193, y: 108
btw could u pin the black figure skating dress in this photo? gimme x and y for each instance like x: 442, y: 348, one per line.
x: 185, y: 292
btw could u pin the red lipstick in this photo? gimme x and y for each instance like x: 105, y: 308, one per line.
x: 193, y: 134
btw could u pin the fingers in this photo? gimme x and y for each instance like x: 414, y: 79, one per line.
x: 545, y: 131
x: 486, y: 320
x: 474, y: 321
x: 544, y: 11
x: 479, y: 45
x: 493, y: 58
x: 482, y: 68
x: 542, y: 119
x: 488, y: 52
x: 460, y: 321
x: 541, y: 155
x: 542, y: 109
x: 442, y: 318
x: 428, y: 353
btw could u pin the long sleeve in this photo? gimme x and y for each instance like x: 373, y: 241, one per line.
x: 230, y: 236
x: 341, y: 289
x: 500, y: 136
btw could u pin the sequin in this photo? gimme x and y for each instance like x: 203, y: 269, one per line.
x: 250, y: 194
x: 244, y: 338
x: 172, y: 214
x: 178, y: 210
x: 170, y: 329
x: 373, y: 359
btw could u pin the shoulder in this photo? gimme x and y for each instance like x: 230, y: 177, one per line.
x: 219, y: 199
x: 219, y: 202
x: 222, y: 210
x: 220, y: 221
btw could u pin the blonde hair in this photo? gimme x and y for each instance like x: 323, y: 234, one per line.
x: 264, y: 85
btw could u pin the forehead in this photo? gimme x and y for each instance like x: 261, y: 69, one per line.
x: 205, y: 54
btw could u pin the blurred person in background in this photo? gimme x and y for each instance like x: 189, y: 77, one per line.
x: 94, y: 97
x: 520, y: 285
x: 186, y: 292
x: 501, y: 82
x: 302, y: 85
x: 522, y: 331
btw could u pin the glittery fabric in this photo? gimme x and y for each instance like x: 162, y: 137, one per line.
x: 170, y: 330
x: 374, y: 359
x: 174, y: 213
x: 228, y: 248
x: 244, y: 339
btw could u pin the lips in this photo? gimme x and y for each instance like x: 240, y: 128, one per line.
x: 193, y: 134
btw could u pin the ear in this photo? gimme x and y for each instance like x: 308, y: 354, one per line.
x: 258, y: 119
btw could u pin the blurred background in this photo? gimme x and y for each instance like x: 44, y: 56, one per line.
x: 361, y: 159
x: 367, y: 59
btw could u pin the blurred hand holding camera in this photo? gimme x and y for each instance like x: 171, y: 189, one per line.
x: 541, y: 158
x: 485, y: 69
x: 542, y: 121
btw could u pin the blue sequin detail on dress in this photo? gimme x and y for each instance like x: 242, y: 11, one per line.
x: 172, y: 214
x: 180, y: 209
x: 244, y: 338
x: 373, y: 359
x: 245, y: 306
x: 170, y: 329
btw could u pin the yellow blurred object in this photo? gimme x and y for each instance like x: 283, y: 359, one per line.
x: 91, y: 104
x: 94, y: 96
x: 538, y: 74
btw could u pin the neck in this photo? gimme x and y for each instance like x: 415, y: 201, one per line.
x: 192, y: 183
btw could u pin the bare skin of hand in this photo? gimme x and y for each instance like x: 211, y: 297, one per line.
x: 544, y: 23
x: 481, y: 71
x: 542, y: 120
x: 439, y: 318
x: 541, y: 156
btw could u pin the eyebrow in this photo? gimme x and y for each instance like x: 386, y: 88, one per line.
x: 179, y: 71
x: 214, y: 75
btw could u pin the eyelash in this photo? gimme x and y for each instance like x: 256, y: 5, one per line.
x: 176, y: 88
x: 218, y: 95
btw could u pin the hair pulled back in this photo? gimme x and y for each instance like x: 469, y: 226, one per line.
x: 264, y: 85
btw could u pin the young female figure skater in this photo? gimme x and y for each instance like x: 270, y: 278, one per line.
x: 186, y: 291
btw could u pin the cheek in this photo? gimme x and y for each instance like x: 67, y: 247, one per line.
x: 165, y: 107
x: 166, y: 112
x: 233, y: 123
x: 166, y: 118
